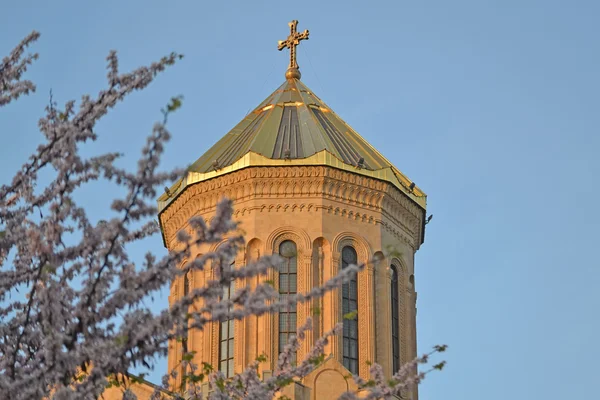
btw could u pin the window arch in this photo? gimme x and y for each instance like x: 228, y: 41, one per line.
x: 350, y: 305
x: 395, y: 321
x: 226, y: 336
x: 288, y: 286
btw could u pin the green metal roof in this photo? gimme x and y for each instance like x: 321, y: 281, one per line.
x: 291, y: 123
x: 293, y: 126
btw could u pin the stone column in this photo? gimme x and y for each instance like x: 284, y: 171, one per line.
x: 415, y: 392
x: 383, y: 315
x: 332, y: 308
x: 173, y: 345
x: 305, y: 274
x: 319, y: 271
x: 196, y: 336
x: 240, y: 339
x: 250, y: 323
x: 408, y: 338
x: 266, y: 342
x: 210, y: 342
x: 366, y: 320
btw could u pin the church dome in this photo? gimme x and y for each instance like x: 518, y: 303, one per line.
x: 292, y: 123
x: 293, y: 126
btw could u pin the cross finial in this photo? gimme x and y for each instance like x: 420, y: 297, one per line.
x: 293, y: 71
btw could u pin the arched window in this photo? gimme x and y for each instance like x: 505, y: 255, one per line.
x: 395, y: 322
x: 226, y: 336
x: 287, y: 287
x: 349, y: 305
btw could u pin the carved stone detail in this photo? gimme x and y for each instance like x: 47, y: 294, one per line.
x: 405, y: 217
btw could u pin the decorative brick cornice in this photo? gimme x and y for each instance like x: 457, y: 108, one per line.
x: 350, y: 195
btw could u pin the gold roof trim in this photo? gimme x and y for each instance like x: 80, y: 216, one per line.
x: 252, y: 159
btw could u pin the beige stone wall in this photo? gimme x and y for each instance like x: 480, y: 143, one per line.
x: 142, y: 391
x: 321, y: 209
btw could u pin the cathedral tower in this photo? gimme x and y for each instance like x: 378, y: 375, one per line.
x: 305, y: 185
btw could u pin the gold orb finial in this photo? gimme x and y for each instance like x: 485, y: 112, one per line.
x: 293, y: 40
x: 293, y: 73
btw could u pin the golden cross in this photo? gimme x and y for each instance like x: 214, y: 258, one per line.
x: 292, y: 41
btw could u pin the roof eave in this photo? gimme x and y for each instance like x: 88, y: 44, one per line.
x: 323, y: 158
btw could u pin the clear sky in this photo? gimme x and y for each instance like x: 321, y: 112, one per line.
x: 491, y: 107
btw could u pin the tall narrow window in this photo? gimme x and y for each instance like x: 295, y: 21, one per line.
x: 395, y: 322
x: 186, y: 284
x: 287, y: 287
x: 186, y: 291
x: 226, y: 337
x: 349, y: 305
x: 184, y: 339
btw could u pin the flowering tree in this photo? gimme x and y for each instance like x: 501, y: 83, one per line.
x: 82, y: 322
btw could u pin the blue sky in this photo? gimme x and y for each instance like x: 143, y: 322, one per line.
x: 490, y: 106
